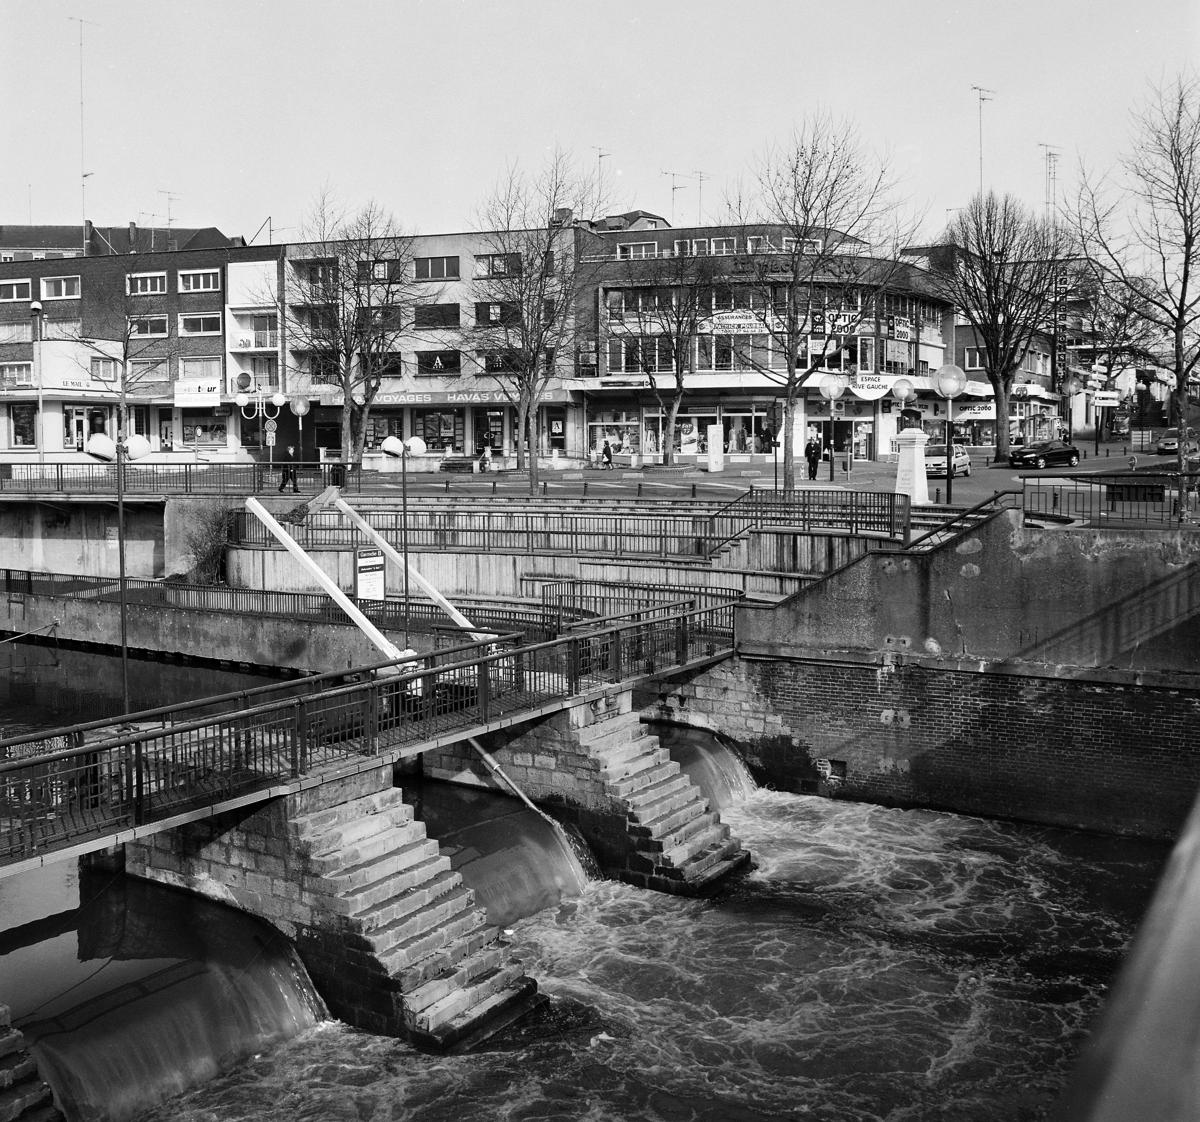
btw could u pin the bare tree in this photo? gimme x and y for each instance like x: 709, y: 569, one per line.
x: 999, y: 271
x: 1140, y: 228
x: 525, y: 284
x: 655, y: 317
x: 824, y: 232
x: 350, y: 293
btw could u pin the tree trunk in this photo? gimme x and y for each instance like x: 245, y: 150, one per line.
x: 668, y: 434
x: 1001, y: 397
x: 787, y: 445
x: 531, y: 441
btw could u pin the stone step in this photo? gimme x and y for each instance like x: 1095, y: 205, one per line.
x: 379, y: 915
x: 446, y: 959
x: 16, y: 1067
x: 700, y: 879
x: 715, y: 835
x: 367, y: 849
x: 620, y: 725
x: 658, y: 829
x: 689, y: 827
x: 614, y: 766
x: 431, y: 864
x: 454, y: 977
x: 663, y: 798
x: 491, y: 1016
x: 702, y: 864
x: 15, y: 1101
x: 44, y: 1113
x: 10, y: 1041
x: 411, y: 951
x: 466, y: 998
x: 350, y: 815
x: 649, y: 776
x: 354, y: 878
x: 421, y: 921
x: 340, y: 834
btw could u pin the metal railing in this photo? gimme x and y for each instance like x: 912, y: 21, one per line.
x: 97, y: 780
x: 532, y: 620
x: 1165, y: 499
x: 168, y: 479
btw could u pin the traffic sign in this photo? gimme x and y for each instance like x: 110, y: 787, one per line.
x: 1102, y: 399
x: 270, y: 424
x: 270, y: 440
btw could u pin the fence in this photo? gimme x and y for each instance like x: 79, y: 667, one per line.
x: 1132, y: 498
x: 168, y: 479
x: 110, y: 778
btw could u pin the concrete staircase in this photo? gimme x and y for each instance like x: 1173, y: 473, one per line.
x: 412, y: 922
x: 23, y: 1095
x: 676, y: 843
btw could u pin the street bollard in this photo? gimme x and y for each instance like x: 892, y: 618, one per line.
x: 937, y: 494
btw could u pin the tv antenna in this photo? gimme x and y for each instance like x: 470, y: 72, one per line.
x: 675, y: 187
x: 83, y: 173
x: 700, y: 178
x: 982, y: 92
x: 1050, y: 155
x: 600, y: 156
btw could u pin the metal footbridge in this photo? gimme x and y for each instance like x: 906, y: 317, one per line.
x: 91, y: 786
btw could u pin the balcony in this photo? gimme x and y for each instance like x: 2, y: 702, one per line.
x: 254, y: 341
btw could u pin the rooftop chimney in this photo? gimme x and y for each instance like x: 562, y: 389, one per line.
x: 133, y: 237
x: 87, y: 237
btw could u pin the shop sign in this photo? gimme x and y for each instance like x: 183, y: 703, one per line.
x: 741, y: 323
x: 974, y: 410
x: 369, y: 574
x: 871, y: 386
x: 192, y: 392
x: 1105, y: 399
x: 449, y: 397
x: 900, y: 328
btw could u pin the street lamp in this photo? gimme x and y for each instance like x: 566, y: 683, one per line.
x: 832, y: 386
x: 258, y: 406
x: 35, y: 316
x: 124, y: 448
x: 950, y: 381
x: 401, y: 449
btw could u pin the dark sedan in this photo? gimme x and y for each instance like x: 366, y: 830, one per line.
x: 1043, y: 453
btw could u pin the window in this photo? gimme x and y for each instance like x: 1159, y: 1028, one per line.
x: 630, y: 250
x: 60, y: 288
x: 104, y: 370
x: 700, y: 247
x: 697, y: 248
x: 435, y: 315
x: 497, y: 314
x: 384, y: 271
x: 974, y: 358
x: 498, y: 362
x: 436, y: 268
x: 323, y: 369
x: 722, y: 247
x: 322, y: 275
x: 208, y: 323
x: 497, y: 264
x: 146, y: 284
x: 434, y: 363
x: 14, y: 290
x: 265, y: 370
x: 13, y: 374
x: 148, y: 377
x: 16, y: 332
x: 144, y: 327
x: 757, y: 244
x: 22, y: 424
x: 200, y: 280
x: 807, y: 245
x: 62, y: 329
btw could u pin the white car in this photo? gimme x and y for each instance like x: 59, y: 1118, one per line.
x: 935, y: 460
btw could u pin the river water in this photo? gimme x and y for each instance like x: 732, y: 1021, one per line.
x: 875, y: 964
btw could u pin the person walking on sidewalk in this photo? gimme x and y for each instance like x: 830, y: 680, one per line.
x: 287, y: 464
x: 812, y: 453
x: 606, y: 455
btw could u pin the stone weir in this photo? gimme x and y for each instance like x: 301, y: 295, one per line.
x: 598, y: 767
x: 23, y: 1095
x: 389, y: 934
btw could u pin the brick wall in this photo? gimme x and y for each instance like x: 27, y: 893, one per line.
x: 1120, y: 758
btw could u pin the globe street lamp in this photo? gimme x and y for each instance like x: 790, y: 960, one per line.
x: 299, y: 406
x: 950, y: 381
x: 401, y: 449
x: 832, y: 386
x: 107, y: 450
x: 35, y: 316
x: 258, y: 406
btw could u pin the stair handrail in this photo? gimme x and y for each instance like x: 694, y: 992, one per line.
x: 991, y: 500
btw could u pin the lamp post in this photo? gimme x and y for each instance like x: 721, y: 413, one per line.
x: 401, y: 449
x: 950, y: 381
x: 832, y: 386
x: 299, y: 406
x: 259, y: 405
x: 124, y: 448
x: 35, y: 318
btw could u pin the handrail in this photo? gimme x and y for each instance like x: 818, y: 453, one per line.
x: 962, y: 516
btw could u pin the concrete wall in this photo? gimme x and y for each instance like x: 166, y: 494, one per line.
x: 1124, y: 599
x: 67, y: 537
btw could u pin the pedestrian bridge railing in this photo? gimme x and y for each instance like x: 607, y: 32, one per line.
x: 94, y: 781
x: 1163, y: 498
x: 161, y: 480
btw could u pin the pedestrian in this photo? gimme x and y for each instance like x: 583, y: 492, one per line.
x: 606, y: 454
x: 287, y: 465
x: 812, y: 453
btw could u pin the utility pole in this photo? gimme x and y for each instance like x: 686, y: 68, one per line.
x: 600, y: 155
x: 1050, y: 155
x: 982, y: 92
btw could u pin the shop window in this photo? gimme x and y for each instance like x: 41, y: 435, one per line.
x: 22, y: 426
x: 431, y: 364
x: 202, y: 428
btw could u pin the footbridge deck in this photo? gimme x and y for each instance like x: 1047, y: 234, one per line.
x: 91, y: 786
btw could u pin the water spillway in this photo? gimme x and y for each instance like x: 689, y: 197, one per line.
x: 516, y: 862
x: 143, y: 992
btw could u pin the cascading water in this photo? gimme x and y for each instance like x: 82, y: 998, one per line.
x: 516, y: 862
x: 710, y: 764
x: 145, y: 992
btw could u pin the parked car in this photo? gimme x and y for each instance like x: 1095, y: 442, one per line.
x: 935, y: 460
x: 1042, y: 453
x: 1168, y: 443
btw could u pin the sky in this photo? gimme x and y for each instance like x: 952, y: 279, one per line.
x: 237, y: 113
